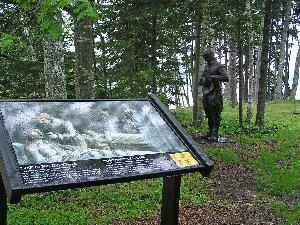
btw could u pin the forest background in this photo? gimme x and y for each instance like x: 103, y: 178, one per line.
x: 127, y: 49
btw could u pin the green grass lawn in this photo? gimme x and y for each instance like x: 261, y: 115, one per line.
x: 277, y: 164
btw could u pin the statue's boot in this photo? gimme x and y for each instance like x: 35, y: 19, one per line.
x: 210, y: 128
x: 216, y: 126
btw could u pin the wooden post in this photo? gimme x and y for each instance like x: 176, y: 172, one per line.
x: 170, y: 200
x: 3, y: 203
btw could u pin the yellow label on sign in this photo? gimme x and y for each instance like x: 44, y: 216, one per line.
x: 184, y: 159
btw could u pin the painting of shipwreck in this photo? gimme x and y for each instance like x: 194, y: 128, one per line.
x: 48, y: 132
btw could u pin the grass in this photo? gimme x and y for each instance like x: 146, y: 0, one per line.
x: 97, y: 205
x: 226, y: 154
x: 290, y: 213
x: 101, y: 205
x: 277, y: 163
x: 277, y: 152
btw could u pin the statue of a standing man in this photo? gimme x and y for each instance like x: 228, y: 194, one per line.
x: 214, y: 74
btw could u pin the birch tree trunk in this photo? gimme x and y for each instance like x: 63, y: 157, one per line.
x: 241, y: 81
x: 278, y: 85
x: 258, y: 65
x: 54, y: 72
x: 296, y: 74
x: 153, y: 60
x: 232, y: 84
x: 287, y: 70
x: 201, y: 26
x: 196, y: 73
x: 260, y: 114
x: 246, y: 81
x: 250, y: 63
x: 257, y: 75
x: 251, y: 79
x: 84, y: 58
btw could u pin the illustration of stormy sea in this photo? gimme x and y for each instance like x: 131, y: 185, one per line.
x: 48, y: 132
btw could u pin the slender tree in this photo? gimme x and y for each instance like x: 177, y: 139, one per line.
x: 54, y: 73
x: 84, y: 58
x: 232, y: 84
x: 260, y: 114
x: 200, y: 24
x: 296, y: 74
x: 250, y: 60
x: 241, y: 81
x: 282, y: 53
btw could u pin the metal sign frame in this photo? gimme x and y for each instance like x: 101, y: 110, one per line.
x: 12, y: 186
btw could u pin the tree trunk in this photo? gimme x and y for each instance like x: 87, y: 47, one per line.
x: 257, y: 74
x: 278, y: 85
x: 54, y: 73
x: 296, y: 74
x: 153, y: 60
x: 260, y: 114
x: 258, y: 65
x: 250, y: 63
x: 246, y: 81
x: 241, y: 81
x: 84, y: 58
x: 287, y: 70
x: 276, y: 47
x: 198, y: 111
x: 196, y: 73
x: 232, y: 76
x: 269, y: 95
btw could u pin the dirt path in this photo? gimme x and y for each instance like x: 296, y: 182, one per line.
x: 236, y: 201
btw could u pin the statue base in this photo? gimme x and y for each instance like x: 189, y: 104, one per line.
x: 217, y: 139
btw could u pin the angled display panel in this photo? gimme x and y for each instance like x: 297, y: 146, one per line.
x: 50, y: 145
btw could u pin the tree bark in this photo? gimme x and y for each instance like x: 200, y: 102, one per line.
x: 54, y: 72
x: 196, y: 73
x: 246, y: 81
x: 198, y: 111
x: 258, y: 65
x: 287, y: 69
x: 250, y: 64
x: 284, y: 34
x: 260, y: 114
x: 296, y: 74
x: 84, y: 53
x: 241, y: 81
x: 153, y: 60
x: 232, y: 76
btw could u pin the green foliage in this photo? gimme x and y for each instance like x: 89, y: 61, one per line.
x: 85, y: 8
x: 50, y: 13
x: 185, y: 117
x: 9, y: 42
x: 232, y: 127
x: 164, y: 98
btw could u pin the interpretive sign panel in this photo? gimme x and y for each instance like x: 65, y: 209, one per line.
x: 49, y: 145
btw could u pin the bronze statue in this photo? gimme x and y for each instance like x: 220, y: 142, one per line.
x: 214, y: 74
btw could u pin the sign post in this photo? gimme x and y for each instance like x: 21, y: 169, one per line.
x: 170, y: 200
x: 3, y: 203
